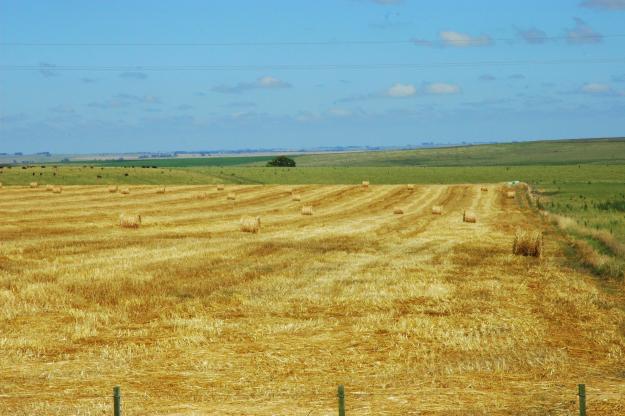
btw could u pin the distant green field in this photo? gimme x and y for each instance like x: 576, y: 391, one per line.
x: 183, y: 162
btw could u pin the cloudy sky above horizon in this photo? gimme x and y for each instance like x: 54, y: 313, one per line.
x: 118, y: 76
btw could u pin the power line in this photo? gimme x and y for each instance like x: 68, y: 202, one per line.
x: 304, y: 67
x: 475, y: 41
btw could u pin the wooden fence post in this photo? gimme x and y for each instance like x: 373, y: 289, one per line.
x: 341, y: 400
x: 582, y: 399
x: 117, y: 401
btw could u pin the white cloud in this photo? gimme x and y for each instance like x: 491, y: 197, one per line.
x: 402, y: 90
x: 604, y: 4
x: 463, y: 40
x: 339, y: 112
x: 440, y: 88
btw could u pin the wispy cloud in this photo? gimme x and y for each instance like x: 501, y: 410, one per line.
x: 267, y: 83
x: 134, y: 75
x: 487, y: 77
x: 582, y: 33
x: 532, y: 36
x: 124, y: 100
x: 611, y: 5
x: 401, y: 91
x: 463, y: 40
x: 47, y: 69
x: 600, y: 89
x: 63, y: 109
x: 88, y: 80
x: 516, y: 77
x: 440, y: 88
x: 455, y: 40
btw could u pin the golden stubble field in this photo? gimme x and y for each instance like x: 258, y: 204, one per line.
x: 414, y: 313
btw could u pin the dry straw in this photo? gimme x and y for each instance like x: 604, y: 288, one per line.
x: 160, y: 190
x: 398, y: 211
x: 469, y: 217
x: 231, y: 196
x: 307, y: 210
x: 437, y: 210
x: 112, y: 189
x: 296, y: 197
x: 125, y: 191
x: 527, y: 243
x: 57, y: 189
x: 34, y: 185
x: 129, y: 221
x: 220, y: 187
x: 510, y: 194
x: 365, y: 184
x: 250, y: 224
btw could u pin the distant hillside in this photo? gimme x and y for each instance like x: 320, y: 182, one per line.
x: 560, y: 152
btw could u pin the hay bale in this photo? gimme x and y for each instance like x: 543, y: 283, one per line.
x: 296, y: 198
x: 220, y: 187
x: 231, y: 196
x: 57, y: 190
x: 484, y: 189
x: 469, y: 217
x: 129, y: 221
x: 307, y: 210
x: 411, y: 187
x: 125, y: 191
x: 203, y: 196
x: 160, y: 190
x: 113, y: 189
x: 527, y: 243
x: 34, y: 185
x: 437, y: 210
x: 398, y: 211
x: 250, y: 224
x: 510, y: 194
x: 49, y: 188
x: 365, y: 184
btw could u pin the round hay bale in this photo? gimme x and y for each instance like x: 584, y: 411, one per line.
x: 365, y: 184
x: 250, y: 224
x: 34, y: 185
x: 49, y: 188
x: 527, y: 243
x: 411, y: 187
x: 160, y: 190
x: 484, y: 189
x: 469, y: 217
x: 125, y: 191
x: 129, y: 221
x: 112, y: 189
x: 510, y: 194
x: 398, y: 211
x: 220, y: 187
x: 296, y: 198
x: 57, y: 189
x: 437, y: 210
x: 307, y: 210
x: 231, y: 196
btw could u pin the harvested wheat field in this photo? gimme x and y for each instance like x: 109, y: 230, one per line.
x: 416, y: 314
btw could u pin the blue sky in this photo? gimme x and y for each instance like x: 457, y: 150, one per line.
x: 122, y: 76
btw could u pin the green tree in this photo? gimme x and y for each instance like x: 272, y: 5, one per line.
x: 282, y: 162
